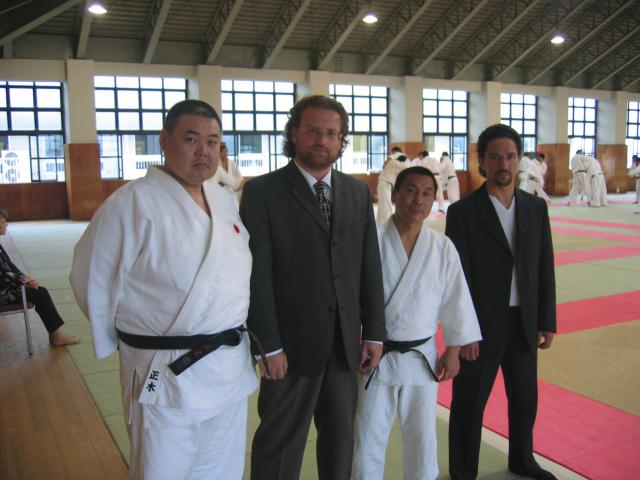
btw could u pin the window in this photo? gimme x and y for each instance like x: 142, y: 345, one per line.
x: 368, y: 108
x: 130, y: 113
x: 31, y: 132
x: 520, y: 112
x: 445, y: 124
x: 582, y: 125
x: 253, y: 119
x: 633, y: 130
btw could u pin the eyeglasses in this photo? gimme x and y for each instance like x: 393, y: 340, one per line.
x: 320, y: 132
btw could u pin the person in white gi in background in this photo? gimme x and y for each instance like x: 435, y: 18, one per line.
x: 424, y: 160
x: 537, y: 170
x: 165, y: 258
x: 423, y: 284
x: 394, y: 164
x: 634, y: 171
x: 580, y: 184
x: 523, y: 173
x: 228, y: 174
x: 449, y: 179
x: 598, y: 185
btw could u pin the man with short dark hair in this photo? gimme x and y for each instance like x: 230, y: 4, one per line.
x: 162, y: 273
x: 503, y: 237
x: 316, y: 295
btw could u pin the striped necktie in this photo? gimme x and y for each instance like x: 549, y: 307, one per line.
x: 325, y: 204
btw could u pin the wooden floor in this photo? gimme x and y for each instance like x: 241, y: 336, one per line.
x: 50, y: 427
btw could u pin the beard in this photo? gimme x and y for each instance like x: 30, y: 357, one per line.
x: 316, y: 157
x: 503, y: 178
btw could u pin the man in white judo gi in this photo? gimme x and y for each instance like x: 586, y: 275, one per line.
x: 395, y: 163
x: 449, y: 179
x: 523, y: 172
x: 598, y: 185
x: 580, y: 184
x: 537, y: 170
x: 424, y: 160
x: 423, y: 284
x: 634, y: 172
x: 162, y: 273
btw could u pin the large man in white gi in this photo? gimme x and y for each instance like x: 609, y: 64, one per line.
x: 598, y: 185
x: 162, y: 273
x: 423, y: 284
x: 580, y: 184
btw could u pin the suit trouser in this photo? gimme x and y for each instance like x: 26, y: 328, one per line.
x: 45, y: 308
x: 471, y: 389
x: 286, y: 408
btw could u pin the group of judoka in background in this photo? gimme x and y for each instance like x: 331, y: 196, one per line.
x: 168, y: 271
x: 587, y: 180
x: 444, y: 171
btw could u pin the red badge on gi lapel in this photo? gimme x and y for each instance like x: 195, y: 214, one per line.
x: 236, y: 228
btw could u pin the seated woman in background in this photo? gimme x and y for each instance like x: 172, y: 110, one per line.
x: 11, y: 278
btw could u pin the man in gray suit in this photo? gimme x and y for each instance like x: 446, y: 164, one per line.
x: 503, y: 237
x: 316, y: 295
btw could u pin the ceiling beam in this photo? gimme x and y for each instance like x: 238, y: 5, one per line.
x: 83, y: 33
x: 632, y: 82
x: 54, y: 12
x: 600, y: 17
x: 338, y: 31
x: 443, y: 32
x: 153, y: 27
x: 220, y: 26
x: 485, y: 37
x: 554, y: 18
x: 401, y: 21
x: 282, y: 28
x: 619, y: 68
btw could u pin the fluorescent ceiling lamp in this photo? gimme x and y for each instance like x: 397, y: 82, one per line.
x: 370, y: 18
x: 557, y: 39
x: 97, y: 8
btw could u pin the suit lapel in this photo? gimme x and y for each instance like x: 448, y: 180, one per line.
x: 489, y: 218
x: 300, y: 190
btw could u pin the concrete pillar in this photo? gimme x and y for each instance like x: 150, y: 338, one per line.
x: 206, y: 86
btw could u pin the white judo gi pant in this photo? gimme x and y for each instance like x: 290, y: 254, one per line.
x: 598, y: 195
x: 523, y: 180
x: 211, y: 449
x: 378, y: 408
x: 440, y: 195
x: 579, y: 187
x: 453, y: 190
x: 385, y: 207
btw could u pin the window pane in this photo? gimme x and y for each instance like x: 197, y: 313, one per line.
x: 264, y: 102
x: 445, y: 94
x: 49, y: 121
x: 284, y: 103
x: 590, y: 115
x: 444, y: 125
x: 346, y: 103
x: 530, y: 111
x: 378, y: 124
x: 105, y: 121
x: 361, y: 123
x: 516, y: 111
x: 22, y: 121
x: 264, y: 121
x: 21, y: 97
x: 459, y: 109
x: 517, y: 126
x: 429, y: 93
x: 244, y: 121
x: 284, y: 87
x: 430, y: 124
x: 171, y: 98
x: 151, y: 82
x: 102, y: 81
x: 578, y: 129
x: 633, y: 131
x: 127, y: 82
x: 344, y: 90
x: 430, y: 107
x: 152, y: 100
x: 505, y: 97
x: 263, y: 86
x: 243, y: 85
x: 244, y: 102
x: 578, y: 102
x: 227, y: 101
x: 175, y: 83
x: 128, y: 121
x: 459, y: 95
x: 48, y: 98
x: 460, y: 125
x: 530, y: 128
x: 4, y: 122
x: 152, y: 120
x: 505, y: 110
x: 105, y: 99
x: 227, y: 121
x: 226, y: 85
x: 590, y: 102
x: 578, y: 114
x: 128, y: 99
x: 378, y: 105
x: 633, y: 116
x: 516, y: 98
x: 445, y: 109
x: 590, y: 129
x: 361, y: 105
x: 281, y: 121
x: 530, y: 99
x: 378, y: 91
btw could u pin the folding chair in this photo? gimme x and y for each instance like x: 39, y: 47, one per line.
x: 23, y: 308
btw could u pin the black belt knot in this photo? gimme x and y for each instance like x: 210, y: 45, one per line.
x: 403, y: 347
x: 199, y: 346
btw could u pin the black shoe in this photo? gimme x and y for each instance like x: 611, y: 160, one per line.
x: 539, y: 474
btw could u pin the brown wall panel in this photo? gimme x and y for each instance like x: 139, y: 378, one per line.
x: 82, y: 172
x: 34, y: 201
x: 556, y: 180
x: 110, y: 186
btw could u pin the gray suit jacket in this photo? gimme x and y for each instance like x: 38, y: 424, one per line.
x: 306, y: 275
x: 474, y: 228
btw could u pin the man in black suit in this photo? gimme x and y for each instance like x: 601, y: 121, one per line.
x: 503, y: 237
x: 316, y: 291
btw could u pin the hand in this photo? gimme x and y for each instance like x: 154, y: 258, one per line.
x: 370, y: 355
x: 545, y: 339
x: 278, y: 366
x: 29, y: 282
x: 448, y: 365
x: 470, y: 352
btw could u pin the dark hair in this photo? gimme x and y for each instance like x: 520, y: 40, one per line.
x: 579, y: 152
x: 4, y: 214
x: 425, y: 153
x: 295, y: 116
x: 445, y: 153
x: 498, y: 130
x: 402, y: 176
x: 189, y: 107
x: 396, y: 149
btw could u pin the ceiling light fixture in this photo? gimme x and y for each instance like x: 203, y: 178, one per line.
x: 97, y: 8
x: 370, y: 18
x: 558, y: 39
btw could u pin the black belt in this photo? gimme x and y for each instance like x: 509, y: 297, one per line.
x: 580, y: 171
x: 199, y: 346
x: 452, y: 176
x: 403, y: 347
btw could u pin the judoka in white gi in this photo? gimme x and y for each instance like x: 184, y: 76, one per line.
x: 394, y: 164
x: 167, y: 256
x: 634, y: 172
x: 537, y: 169
x: 228, y: 174
x: 598, y: 185
x: 449, y: 179
x: 523, y: 173
x: 423, y: 284
x: 580, y: 184
x: 424, y: 160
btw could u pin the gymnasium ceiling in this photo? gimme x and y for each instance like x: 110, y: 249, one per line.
x: 507, y: 41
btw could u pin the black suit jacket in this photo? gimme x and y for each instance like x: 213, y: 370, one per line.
x: 306, y: 275
x: 474, y: 227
